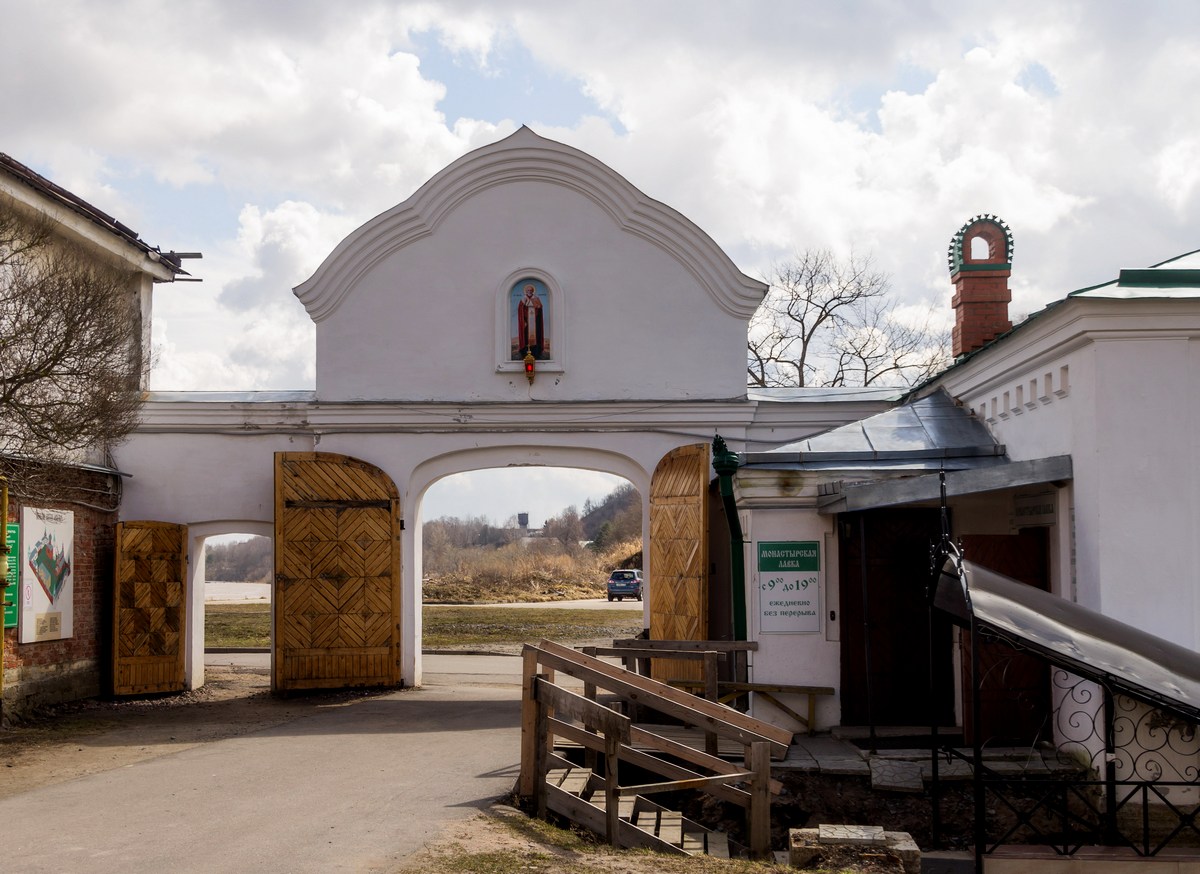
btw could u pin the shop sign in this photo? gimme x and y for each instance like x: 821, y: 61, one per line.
x: 789, y: 589
x: 1034, y: 510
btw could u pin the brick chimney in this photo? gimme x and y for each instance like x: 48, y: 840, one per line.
x: 981, y: 294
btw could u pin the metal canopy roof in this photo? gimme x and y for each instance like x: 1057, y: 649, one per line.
x: 923, y: 487
x: 932, y: 427
x: 1087, y: 643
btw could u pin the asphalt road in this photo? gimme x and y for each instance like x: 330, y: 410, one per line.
x: 352, y: 788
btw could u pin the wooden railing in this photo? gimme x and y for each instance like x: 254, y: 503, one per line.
x: 550, y: 711
x: 637, y: 654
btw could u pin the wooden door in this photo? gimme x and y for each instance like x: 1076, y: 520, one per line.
x: 1014, y: 686
x: 149, y: 608
x: 337, y: 573
x: 885, y: 627
x: 679, y: 553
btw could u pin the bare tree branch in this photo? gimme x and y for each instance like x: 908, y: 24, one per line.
x: 828, y: 321
x: 71, y: 362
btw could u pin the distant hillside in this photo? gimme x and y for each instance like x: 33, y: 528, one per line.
x: 615, y: 519
x: 247, y: 561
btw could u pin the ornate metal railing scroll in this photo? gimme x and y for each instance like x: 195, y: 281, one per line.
x: 1106, y: 769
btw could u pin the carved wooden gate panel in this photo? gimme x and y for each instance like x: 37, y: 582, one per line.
x: 149, y: 608
x: 679, y: 553
x: 337, y: 573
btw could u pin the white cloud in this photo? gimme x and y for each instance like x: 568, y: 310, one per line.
x: 500, y: 493
x: 773, y: 125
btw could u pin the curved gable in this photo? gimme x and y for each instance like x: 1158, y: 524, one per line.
x: 525, y: 156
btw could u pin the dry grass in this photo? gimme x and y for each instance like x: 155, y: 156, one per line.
x: 516, y: 573
x: 512, y: 843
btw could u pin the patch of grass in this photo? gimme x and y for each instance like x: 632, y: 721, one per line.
x: 515, y: 843
x: 450, y: 861
x: 464, y: 626
x: 249, y: 625
x: 237, y: 625
x: 542, y: 571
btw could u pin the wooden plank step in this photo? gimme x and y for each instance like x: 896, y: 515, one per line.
x: 576, y: 781
x: 591, y: 817
x: 670, y: 827
x: 624, y: 804
x: 555, y: 776
x: 693, y: 843
x: 718, y: 845
x: 647, y: 821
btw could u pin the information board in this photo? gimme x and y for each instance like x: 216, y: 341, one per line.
x: 47, y: 582
x: 789, y: 588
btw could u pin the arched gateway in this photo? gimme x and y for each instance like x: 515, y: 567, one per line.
x: 526, y: 306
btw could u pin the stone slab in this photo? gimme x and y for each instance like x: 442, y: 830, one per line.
x: 852, y: 835
x: 896, y: 775
x: 832, y: 756
x: 955, y: 770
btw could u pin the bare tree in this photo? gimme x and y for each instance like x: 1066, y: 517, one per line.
x: 71, y: 358
x: 828, y: 321
x: 566, y: 527
x: 876, y: 347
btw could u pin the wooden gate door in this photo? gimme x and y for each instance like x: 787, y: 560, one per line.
x: 149, y: 608
x: 337, y: 573
x: 679, y: 553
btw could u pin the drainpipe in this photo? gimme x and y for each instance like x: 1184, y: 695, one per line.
x: 725, y: 463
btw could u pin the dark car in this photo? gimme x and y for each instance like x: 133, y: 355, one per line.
x: 625, y: 584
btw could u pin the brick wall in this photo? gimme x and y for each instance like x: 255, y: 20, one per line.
x: 980, y: 305
x: 49, y: 672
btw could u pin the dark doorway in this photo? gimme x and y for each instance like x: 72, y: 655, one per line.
x: 1014, y: 694
x: 885, y: 622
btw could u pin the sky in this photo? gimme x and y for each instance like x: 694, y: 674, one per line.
x: 261, y: 133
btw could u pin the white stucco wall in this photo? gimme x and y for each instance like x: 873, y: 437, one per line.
x: 648, y: 320
x: 1115, y: 384
x: 643, y: 305
x: 636, y: 324
x: 793, y: 658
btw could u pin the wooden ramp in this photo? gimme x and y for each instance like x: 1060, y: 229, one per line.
x: 594, y: 796
x: 579, y: 795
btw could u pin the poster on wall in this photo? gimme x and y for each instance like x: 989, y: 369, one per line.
x: 789, y: 589
x: 47, y: 585
x: 9, y: 593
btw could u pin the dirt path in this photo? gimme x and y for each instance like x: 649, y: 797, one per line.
x: 87, y: 737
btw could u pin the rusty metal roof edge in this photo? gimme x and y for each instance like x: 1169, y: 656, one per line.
x: 81, y: 207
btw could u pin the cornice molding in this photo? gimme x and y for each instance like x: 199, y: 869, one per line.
x: 524, y: 156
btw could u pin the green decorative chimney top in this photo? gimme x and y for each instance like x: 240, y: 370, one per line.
x: 981, y: 293
x: 999, y: 241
